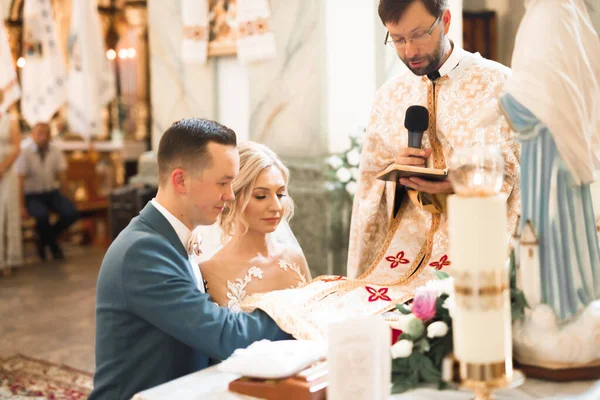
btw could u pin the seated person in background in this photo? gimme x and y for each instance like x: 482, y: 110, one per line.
x: 40, y: 168
x: 260, y: 253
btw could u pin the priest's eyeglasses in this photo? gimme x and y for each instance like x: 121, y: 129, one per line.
x: 418, y: 39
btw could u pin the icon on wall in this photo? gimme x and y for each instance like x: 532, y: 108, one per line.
x: 222, y: 28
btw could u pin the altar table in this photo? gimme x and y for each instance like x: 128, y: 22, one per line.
x: 211, y: 383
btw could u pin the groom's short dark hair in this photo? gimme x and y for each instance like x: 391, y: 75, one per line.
x: 183, y: 145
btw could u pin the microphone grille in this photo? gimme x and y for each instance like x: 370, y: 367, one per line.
x: 416, y: 119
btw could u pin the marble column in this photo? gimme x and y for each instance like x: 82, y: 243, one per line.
x: 179, y: 89
x: 287, y: 95
x: 288, y: 113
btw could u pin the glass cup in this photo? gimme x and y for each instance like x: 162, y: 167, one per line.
x: 476, y: 171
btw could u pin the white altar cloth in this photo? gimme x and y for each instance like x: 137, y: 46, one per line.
x: 212, y: 384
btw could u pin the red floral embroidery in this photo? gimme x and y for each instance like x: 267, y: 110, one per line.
x: 397, y: 260
x: 442, y: 263
x: 337, y: 278
x: 380, y: 294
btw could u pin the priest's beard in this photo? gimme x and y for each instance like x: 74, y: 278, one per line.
x: 432, y: 61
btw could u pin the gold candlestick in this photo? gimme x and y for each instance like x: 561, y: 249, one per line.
x: 481, y: 379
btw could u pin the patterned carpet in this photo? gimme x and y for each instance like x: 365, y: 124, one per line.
x: 27, y: 378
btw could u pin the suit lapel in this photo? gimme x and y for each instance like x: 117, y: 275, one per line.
x: 159, y: 223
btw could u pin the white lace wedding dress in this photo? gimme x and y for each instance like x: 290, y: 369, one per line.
x: 236, y: 290
x: 230, y: 285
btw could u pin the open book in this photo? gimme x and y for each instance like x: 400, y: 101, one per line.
x: 394, y: 172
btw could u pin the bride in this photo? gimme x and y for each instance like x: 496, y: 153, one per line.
x: 259, y: 253
x: 250, y: 259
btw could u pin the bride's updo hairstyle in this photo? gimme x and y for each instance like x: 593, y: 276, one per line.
x: 254, y: 158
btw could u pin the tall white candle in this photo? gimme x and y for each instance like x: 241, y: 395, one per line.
x: 478, y: 250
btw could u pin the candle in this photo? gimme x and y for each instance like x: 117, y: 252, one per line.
x: 478, y: 249
x: 359, y: 359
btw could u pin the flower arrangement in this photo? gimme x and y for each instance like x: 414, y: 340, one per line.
x: 424, y: 331
x: 342, y: 168
x: 426, y: 336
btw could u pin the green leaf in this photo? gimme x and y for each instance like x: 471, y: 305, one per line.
x: 423, y: 344
x: 440, y: 311
x: 403, y: 309
x: 428, y: 371
x: 406, y: 336
x: 440, y: 348
x: 441, y: 274
x: 400, y: 366
x: 443, y: 385
x: 402, y: 384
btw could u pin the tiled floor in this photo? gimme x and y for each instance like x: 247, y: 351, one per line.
x: 47, y: 310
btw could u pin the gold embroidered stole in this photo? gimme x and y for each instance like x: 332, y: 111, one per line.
x: 306, y: 312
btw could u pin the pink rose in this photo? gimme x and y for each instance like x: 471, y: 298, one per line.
x: 423, y: 306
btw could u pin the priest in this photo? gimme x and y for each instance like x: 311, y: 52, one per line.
x: 400, y: 228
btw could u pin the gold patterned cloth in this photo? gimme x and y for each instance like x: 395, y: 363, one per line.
x: 306, y: 312
x: 468, y: 84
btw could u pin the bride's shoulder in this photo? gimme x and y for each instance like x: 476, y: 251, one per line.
x: 294, y: 256
x: 216, y: 261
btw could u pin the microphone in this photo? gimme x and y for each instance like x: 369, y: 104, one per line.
x: 416, y: 121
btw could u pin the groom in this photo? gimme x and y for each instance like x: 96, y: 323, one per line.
x: 154, y: 323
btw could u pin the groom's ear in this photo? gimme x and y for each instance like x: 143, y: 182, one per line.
x: 178, y: 176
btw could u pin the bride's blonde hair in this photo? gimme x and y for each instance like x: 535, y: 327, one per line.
x: 254, y: 158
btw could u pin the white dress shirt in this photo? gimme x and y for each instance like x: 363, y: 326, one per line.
x: 184, y: 235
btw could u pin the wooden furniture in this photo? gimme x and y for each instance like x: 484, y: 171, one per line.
x: 84, y: 185
x: 480, y: 33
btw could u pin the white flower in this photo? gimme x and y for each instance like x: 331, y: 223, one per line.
x: 353, y: 157
x: 351, y: 188
x: 449, y: 305
x: 354, y: 172
x: 441, y: 286
x: 329, y: 186
x: 335, y: 162
x: 437, y: 329
x: 343, y: 175
x: 402, y: 349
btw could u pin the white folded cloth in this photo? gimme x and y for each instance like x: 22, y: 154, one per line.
x: 274, y: 360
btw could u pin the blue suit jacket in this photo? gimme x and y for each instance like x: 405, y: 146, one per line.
x: 152, y: 323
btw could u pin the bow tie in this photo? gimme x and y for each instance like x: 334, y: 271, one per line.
x: 193, y: 246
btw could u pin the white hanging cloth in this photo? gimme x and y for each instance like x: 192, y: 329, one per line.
x: 255, y: 39
x: 195, y: 31
x: 91, y: 83
x: 44, y: 76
